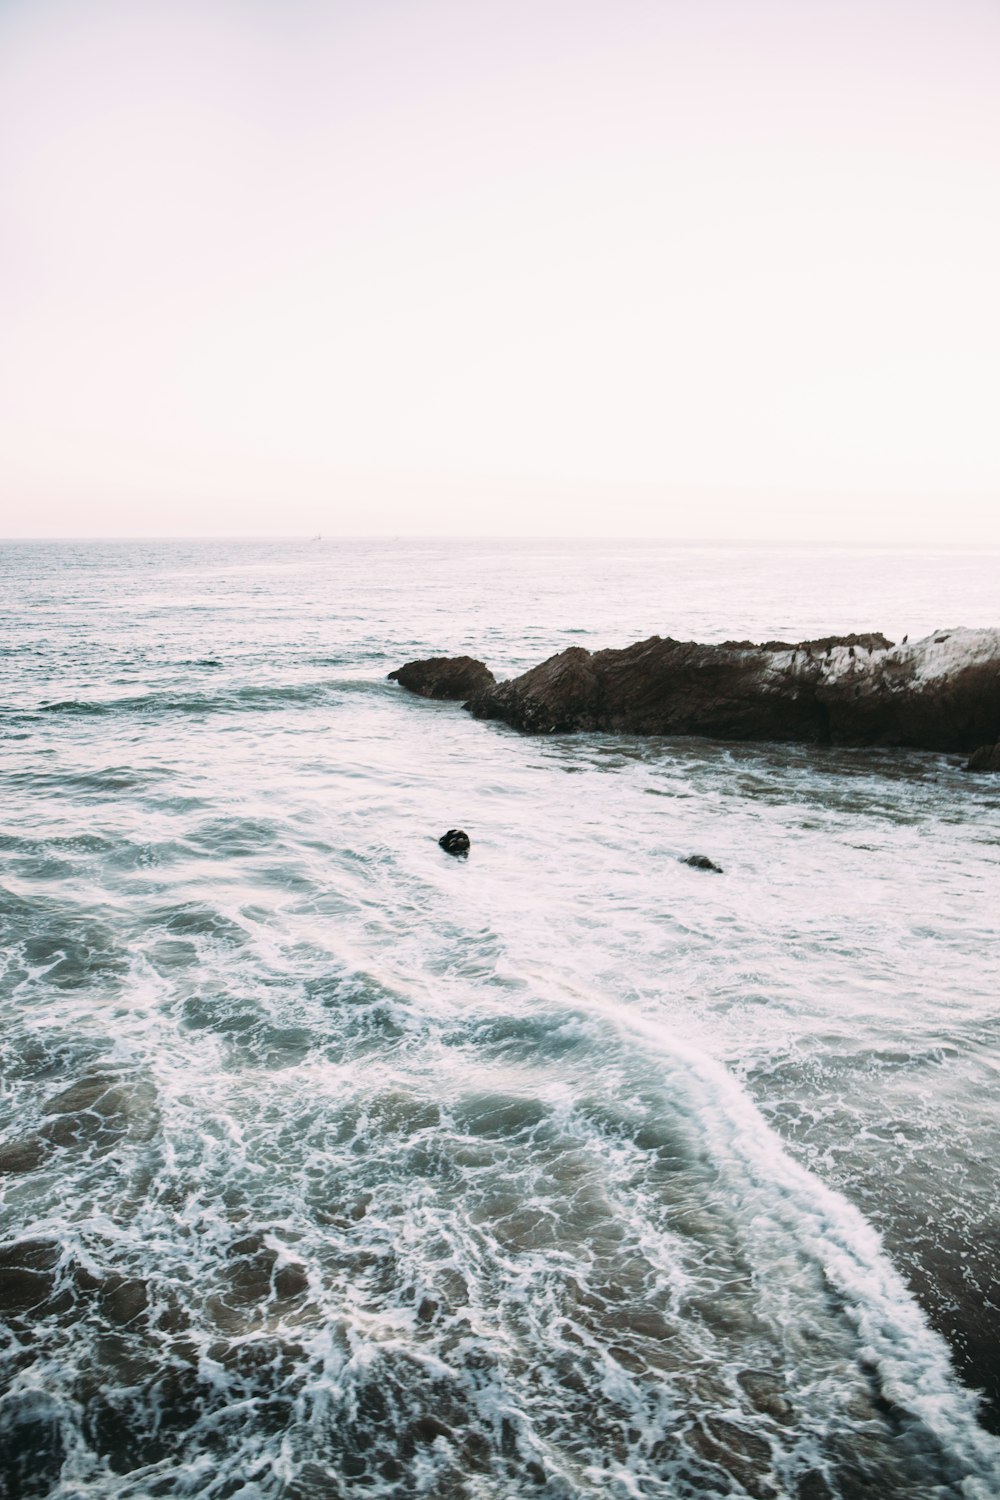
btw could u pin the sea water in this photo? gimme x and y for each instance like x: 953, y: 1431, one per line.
x: 334, y: 1166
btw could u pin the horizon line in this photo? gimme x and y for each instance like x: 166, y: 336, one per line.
x: 638, y: 538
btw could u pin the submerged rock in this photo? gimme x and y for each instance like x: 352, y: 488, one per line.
x: 985, y: 758
x: 455, y: 841
x: 702, y: 862
x: 32, y: 1443
x: 452, y: 677
x: 28, y: 1274
x: 941, y: 693
x: 98, y: 1110
x: 23, y: 1155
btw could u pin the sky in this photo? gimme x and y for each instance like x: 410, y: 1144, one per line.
x: 714, y: 269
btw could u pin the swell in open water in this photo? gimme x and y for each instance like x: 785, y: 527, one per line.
x: 331, y: 1166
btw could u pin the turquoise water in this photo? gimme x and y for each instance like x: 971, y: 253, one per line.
x: 336, y: 1167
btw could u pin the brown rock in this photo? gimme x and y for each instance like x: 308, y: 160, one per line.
x: 24, y: 1155
x: 942, y: 693
x: 986, y: 758
x: 98, y: 1110
x: 83, y: 1094
x: 454, y: 677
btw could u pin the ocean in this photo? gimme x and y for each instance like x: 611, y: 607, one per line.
x: 331, y: 1166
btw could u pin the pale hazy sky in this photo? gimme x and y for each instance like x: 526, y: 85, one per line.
x: 722, y: 268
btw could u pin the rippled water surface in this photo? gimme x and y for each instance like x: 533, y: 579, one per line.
x: 332, y: 1166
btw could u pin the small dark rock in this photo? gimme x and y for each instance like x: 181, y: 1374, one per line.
x: 812, y: 1486
x: 455, y: 841
x: 702, y: 862
x: 428, y: 1429
x: 986, y: 758
x: 456, y: 677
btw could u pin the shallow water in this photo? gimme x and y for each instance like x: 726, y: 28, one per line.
x: 334, y: 1166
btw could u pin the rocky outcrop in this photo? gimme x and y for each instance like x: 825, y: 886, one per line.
x: 456, y: 677
x: 444, y: 677
x: 985, y: 758
x: 940, y: 693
